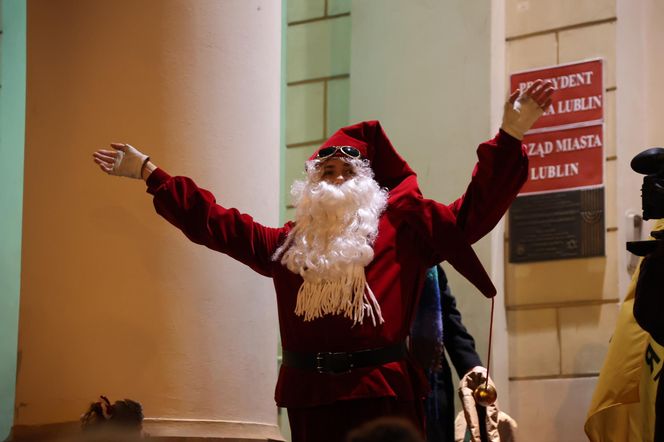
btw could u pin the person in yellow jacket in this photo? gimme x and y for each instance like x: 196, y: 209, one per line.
x: 623, y: 404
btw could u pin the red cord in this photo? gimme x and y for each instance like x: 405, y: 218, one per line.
x: 488, y: 358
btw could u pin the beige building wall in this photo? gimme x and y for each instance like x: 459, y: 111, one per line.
x: 114, y: 300
x: 561, y: 314
x: 640, y: 45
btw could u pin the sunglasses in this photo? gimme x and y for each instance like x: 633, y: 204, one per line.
x: 348, y: 151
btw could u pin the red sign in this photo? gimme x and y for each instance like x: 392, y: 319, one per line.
x: 578, y: 97
x: 564, y: 159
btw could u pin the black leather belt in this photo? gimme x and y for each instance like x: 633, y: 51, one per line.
x: 344, y: 362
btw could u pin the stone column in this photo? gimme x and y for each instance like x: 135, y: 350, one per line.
x: 114, y: 300
x: 435, y: 100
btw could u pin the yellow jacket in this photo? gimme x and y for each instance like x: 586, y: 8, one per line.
x: 623, y: 404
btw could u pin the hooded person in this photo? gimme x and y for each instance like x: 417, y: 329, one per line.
x: 348, y: 272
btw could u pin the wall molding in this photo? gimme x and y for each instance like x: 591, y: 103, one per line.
x: 162, y: 429
x: 561, y: 28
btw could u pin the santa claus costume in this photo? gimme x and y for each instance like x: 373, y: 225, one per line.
x: 414, y: 233
x: 347, y: 277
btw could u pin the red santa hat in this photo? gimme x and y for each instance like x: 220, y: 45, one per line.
x: 369, y: 138
x: 434, y: 220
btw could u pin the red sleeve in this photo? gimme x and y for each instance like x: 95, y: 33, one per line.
x: 195, y: 211
x: 501, y: 170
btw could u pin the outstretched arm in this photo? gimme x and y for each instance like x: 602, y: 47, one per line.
x: 194, y: 210
x: 502, y: 165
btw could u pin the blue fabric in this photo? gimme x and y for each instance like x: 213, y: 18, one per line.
x: 460, y: 348
x: 428, y: 324
x: 427, y: 335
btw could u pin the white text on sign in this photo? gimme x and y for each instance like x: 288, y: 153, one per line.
x: 568, y: 144
x: 564, y: 81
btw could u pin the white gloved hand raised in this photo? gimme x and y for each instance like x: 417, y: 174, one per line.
x: 124, y: 160
x: 523, y: 109
x: 471, y: 380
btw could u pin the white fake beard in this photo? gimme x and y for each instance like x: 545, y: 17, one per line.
x: 332, y: 242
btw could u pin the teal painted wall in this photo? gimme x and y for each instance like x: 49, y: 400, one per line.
x: 12, y: 139
x: 283, y: 194
x: 317, y: 70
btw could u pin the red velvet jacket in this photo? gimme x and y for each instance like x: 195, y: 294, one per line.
x: 414, y: 234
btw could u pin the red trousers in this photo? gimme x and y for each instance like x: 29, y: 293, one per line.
x: 331, y: 423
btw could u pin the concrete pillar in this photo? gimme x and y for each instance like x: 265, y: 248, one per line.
x: 428, y: 71
x: 114, y: 300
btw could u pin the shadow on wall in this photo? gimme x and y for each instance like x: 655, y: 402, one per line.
x: 571, y: 415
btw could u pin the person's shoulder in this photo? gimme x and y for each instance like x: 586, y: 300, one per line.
x: 405, y: 195
x: 284, y: 230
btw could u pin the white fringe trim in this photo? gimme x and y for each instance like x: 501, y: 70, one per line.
x: 349, y: 295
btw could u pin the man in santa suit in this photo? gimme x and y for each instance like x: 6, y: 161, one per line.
x: 348, y: 271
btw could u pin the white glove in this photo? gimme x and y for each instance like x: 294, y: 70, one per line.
x: 124, y: 160
x: 473, y: 379
x: 129, y: 161
x: 522, y: 110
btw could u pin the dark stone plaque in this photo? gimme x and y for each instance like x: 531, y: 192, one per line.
x: 560, y: 225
